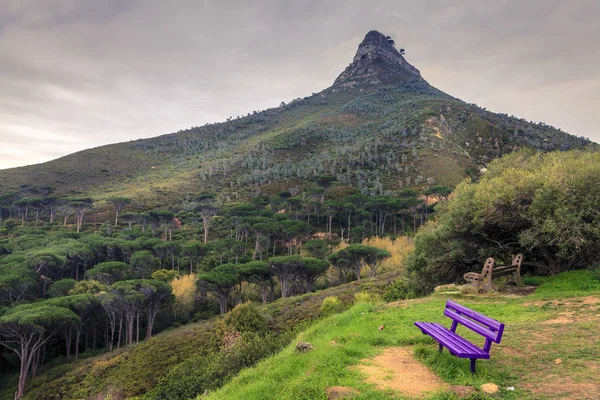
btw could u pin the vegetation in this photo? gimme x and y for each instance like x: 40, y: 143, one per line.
x: 343, y: 341
x: 163, y: 363
x: 543, y: 205
x: 102, y: 249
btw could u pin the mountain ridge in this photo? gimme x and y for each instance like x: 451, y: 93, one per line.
x: 379, y: 128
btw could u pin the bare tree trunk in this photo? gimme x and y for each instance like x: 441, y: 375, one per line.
x: 120, y: 327
x: 68, y: 342
x: 137, y: 330
x: 205, y: 222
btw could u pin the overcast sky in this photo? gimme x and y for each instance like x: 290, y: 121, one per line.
x: 76, y: 74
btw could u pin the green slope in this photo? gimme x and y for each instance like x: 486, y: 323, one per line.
x: 524, y: 360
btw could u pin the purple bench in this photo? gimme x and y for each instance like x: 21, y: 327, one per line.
x: 487, y: 327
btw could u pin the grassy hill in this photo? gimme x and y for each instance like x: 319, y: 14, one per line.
x: 548, y: 350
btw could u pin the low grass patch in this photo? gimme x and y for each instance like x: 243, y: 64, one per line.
x: 532, y: 344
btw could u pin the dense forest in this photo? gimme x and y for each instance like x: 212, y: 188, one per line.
x: 77, y: 280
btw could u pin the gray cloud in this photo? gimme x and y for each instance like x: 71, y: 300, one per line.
x: 77, y: 74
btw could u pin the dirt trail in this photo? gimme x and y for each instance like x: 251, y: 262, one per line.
x: 396, y: 369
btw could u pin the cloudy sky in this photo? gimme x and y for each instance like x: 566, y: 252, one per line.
x: 76, y: 74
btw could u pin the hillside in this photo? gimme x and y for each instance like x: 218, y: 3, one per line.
x: 380, y: 127
x: 163, y: 362
x: 547, y: 350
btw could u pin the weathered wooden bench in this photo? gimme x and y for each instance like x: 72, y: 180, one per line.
x: 458, y: 346
x: 492, y: 271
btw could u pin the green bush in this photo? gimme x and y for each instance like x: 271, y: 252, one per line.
x: 399, y: 290
x: 331, y: 305
x: 366, y: 297
x: 246, y: 318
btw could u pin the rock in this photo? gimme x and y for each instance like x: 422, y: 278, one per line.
x: 377, y: 60
x: 462, y: 391
x: 341, y: 392
x: 304, y: 346
x: 445, y: 288
x: 489, y: 388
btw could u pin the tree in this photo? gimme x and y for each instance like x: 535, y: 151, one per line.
x: 118, y: 203
x: 546, y: 208
x: 141, y: 263
x: 10, y: 224
x: 164, y: 250
x: 156, y: 293
x: 130, y: 218
x: 331, y: 208
x: 131, y: 300
x: 88, y: 286
x: 357, y: 256
x: 17, y: 283
x: 51, y: 203
x: 45, y: 263
x: 313, y: 269
x: 26, y: 328
x: 288, y: 269
x: 165, y: 275
x: 61, y: 287
x: 83, y: 305
x: 111, y: 307
x: 109, y: 272
x: 23, y: 206
x: 184, y: 290
x: 316, y: 248
x: 80, y: 205
x: 258, y: 273
x: 221, y: 280
x: 207, y: 206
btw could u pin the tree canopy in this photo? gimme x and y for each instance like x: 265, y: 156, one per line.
x: 544, y: 205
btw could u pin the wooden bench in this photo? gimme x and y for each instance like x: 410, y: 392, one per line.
x: 492, y: 271
x: 458, y: 346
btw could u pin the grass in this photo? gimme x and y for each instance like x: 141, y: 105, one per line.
x: 526, y: 359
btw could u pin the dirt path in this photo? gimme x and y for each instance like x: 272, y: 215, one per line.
x: 396, y: 369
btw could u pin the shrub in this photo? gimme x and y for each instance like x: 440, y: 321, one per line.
x: 399, y: 290
x: 331, y: 305
x: 246, y: 318
x: 366, y: 297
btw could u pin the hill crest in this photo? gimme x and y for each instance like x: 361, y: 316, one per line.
x: 377, y: 61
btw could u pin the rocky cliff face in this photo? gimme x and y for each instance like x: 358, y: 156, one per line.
x: 376, y: 61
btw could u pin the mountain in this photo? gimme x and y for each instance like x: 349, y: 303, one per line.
x: 380, y: 127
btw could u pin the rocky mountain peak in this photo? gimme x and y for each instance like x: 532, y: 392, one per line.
x: 377, y: 61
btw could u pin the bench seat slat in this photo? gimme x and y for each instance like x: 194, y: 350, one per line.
x: 457, y: 345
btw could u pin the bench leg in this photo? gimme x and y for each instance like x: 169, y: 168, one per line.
x: 473, y: 365
x: 441, y: 347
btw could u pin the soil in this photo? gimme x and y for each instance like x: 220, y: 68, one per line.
x: 396, y: 369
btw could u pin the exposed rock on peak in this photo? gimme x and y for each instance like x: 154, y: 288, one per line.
x: 377, y: 61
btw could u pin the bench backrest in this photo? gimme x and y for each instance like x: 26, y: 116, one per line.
x: 487, y: 327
